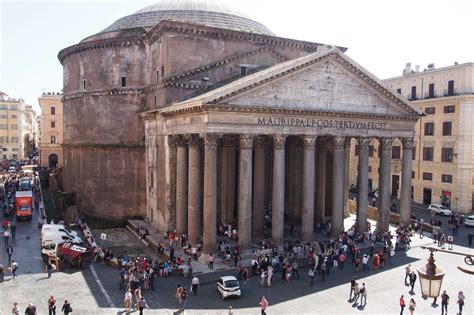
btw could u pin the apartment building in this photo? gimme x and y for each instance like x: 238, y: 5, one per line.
x: 51, y: 129
x: 11, y: 127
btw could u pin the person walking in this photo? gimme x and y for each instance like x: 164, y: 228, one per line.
x: 128, y: 300
x: 66, y: 307
x: 444, y: 302
x: 365, y: 262
x: 263, y: 305
x: 142, y: 305
x: 30, y: 309
x: 269, y: 275
x: 9, y: 252
x: 179, y: 294
x: 14, y: 266
x: 363, y: 295
x: 13, y: 231
x: 450, y: 242
x: 195, y: 285
x: 295, y: 272
x: 49, y: 268
x: 460, y: 301
x: 402, y: 304
x: 15, y: 309
x: 407, y: 274
x: 6, y: 236
x: 210, y: 261
x: 412, y: 280
x: 184, y: 299
x: 412, y: 306
x: 52, y: 305
x: 353, y: 284
x: 311, y: 275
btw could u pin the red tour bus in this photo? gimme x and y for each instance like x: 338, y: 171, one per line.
x: 24, y: 204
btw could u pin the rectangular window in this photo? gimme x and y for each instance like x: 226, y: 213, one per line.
x: 451, y: 87
x: 15, y: 149
x: 371, y: 150
x: 449, y: 109
x: 14, y: 156
x: 429, y: 129
x: 446, y: 154
x: 14, y: 127
x: 413, y: 174
x: 155, y: 101
x: 431, y: 90
x: 399, y: 91
x: 123, y: 82
x: 427, y: 176
x: 356, y: 150
x: 446, y: 178
x: 428, y: 154
x: 4, y: 126
x: 157, y: 76
x: 53, y: 124
x: 14, y: 107
x: 413, y: 93
x: 14, y: 139
x: 447, y: 128
x: 162, y: 71
x: 370, y: 169
x: 53, y: 110
x: 430, y: 110
x: 3, y: 140
x: 243, y: 70
x: 413, y: 153
x: 14, y: 116
x: 3, y: 116
x: 84, y: 85
x: 396, y: 152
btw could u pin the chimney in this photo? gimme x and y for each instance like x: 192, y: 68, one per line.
x: 455, y: 63
x: 417, y: 68
x: 431, y: 66
x: 407, y: 68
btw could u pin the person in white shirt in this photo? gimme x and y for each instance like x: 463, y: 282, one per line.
x: 269, y: 276
x: 195, y: 285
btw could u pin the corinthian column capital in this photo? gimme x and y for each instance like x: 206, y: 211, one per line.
x: 211, y: 140
x: 363, y: 142
x: 309, y: 142
x: 386, y: 143
x: 407, y: 143
x: 279, y: 141
x: 246, y: 141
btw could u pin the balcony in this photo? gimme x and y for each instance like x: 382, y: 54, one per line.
x: 447, y: 92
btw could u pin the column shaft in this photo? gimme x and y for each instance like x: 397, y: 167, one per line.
x: 321, y: 181
x: 194, y: 190
x: 228, y: 172
x: 182, y: 189
x: 405, y: 198
x: 210, y: 193
x: 337, y: 214
x: 259, y: 188
x: 307, y: 220
x: 362, y: 184
x: 245, y: 192
x: 384, y: 183
x: 278, y: 202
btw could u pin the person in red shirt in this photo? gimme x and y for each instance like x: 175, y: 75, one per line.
x: 263, y: 305
x: 402, y: 305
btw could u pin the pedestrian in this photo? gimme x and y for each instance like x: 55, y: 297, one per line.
x: 412, y: 306
x: 30, y: 309
x: 263, y: 305
x: 49, y: 268
x: 52, y: 305
x: 460, y: 301
x: 138, y: 296
x: 14, y: 266
x: 324, y: 270
x: 412, y: 280
x: 342, y: 259
x: 263, y: 275
x: 392, y: 253
x: 128, y: 300
x: 210, y: 262
x: 142, y: 305
x: 269, y: 275
x: 294, y: 268
x: 231, y: 311
x: 363, y: 294
x: 9, y: 252
x: 184, y: 299
x: 15, y: 309
x: 356, y: 263
x: 195, y: 285
x: 444, y: 302
x: 353, y: 284
x: 311, y: 275
x: 402, y: 304
x: 450, y: 242
x: 13, y: 231
x: 66, y: 307
x: 245, y: 275
x: 365, y: 262
x: 407, y: 274
x: 6, y: 236
x: 179, y: 293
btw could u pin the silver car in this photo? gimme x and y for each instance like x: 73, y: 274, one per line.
x: 439, y: 209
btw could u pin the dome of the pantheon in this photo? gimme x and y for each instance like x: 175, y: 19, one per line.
x: 205, y: 12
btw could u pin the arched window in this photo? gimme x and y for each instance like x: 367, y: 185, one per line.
x: 53, y: 139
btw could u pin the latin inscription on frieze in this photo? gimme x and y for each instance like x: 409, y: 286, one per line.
x: 319, y: 123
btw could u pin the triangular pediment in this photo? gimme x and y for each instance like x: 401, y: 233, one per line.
x: 323, y: 82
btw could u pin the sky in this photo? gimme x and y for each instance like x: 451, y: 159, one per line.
x: 381, y: 35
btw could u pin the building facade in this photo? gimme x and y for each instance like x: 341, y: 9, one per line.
x: 443, y: 156
x: 188, y: 113
x: 11, y: 127
x: 30, y: 131
x: 51, y: 153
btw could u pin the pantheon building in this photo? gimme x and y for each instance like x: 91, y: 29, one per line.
x: 189, y: 114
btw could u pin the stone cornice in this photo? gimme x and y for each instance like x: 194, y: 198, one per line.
x: 267, y: 110
x: 103, y: 92
x: 106, y: 146
x: 187, y: 28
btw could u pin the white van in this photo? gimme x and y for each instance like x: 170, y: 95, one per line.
x: 58, y: 228
x: 58, y: 237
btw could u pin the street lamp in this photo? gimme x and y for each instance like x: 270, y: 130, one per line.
x: 431, y: 277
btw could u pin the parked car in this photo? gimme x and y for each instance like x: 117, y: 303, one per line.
x: 228, y: 286
x: 469, y: 220
x: 439, y: 209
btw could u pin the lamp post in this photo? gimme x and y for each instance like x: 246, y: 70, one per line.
x: 431, y: 276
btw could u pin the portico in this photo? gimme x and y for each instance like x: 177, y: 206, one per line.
x: 276, y: 140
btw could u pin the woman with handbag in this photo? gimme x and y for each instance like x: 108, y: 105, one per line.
x: 66, y: 308
x: 412, y: 306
